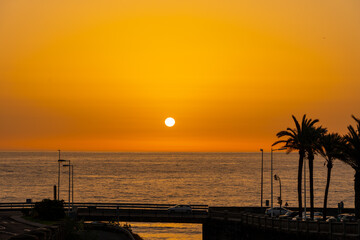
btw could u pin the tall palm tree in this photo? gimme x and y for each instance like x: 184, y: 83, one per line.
x: 297, y: 140
x: 331, y: 148
x: 352, y: 158
x: 313, y: 136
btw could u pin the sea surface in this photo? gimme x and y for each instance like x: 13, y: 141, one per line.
x: 215, y: 179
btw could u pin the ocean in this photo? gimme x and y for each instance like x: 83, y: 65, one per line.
x: 215, y: 179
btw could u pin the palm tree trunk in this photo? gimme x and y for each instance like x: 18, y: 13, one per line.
x: 357, y: 193
x: 329, y: 167
x: 311, y: 177
x: 301, y: 162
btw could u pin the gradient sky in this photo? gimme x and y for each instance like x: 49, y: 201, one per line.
x: 104, y: 75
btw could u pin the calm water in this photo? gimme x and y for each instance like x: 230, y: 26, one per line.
x: 216, y: 179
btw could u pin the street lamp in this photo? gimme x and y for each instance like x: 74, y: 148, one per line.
x: 277, y: 178
x: 72, y: 187
x: 304, y: 214
x: 68, y: 165
x: 271, y: 172
x: 59, y: 161
x: 72, y: 183
x: 262, y: 176
x: 70, y: 168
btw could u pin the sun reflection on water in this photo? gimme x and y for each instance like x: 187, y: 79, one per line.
x: 167, y: 231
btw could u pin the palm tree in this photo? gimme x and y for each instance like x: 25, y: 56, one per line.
x: 352, y: 158
x: 313, y: 136
x: 331, y: 148
x: 297, y: 139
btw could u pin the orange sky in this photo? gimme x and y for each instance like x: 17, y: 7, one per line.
x: 104, y: 75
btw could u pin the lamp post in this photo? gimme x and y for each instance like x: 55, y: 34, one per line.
x: 59, y: 161
x: 277, y: 177
x: 304, y: 214
x: 71, y: 166
x: 68, y: 165
x: 262, y: 176
x: 72, y: 187
x: 271, y: 172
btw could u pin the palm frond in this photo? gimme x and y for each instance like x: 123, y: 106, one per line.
x: 352, y: 150
x: 297, y: 123
x: 284, y: 133
x: 356, y: 119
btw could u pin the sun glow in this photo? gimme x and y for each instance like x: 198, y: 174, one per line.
x: 169, y: 122
x: 102, y: 76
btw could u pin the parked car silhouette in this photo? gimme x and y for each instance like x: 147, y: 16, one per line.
x: 276, y: 211
x: 347, y: 217
x: 331, y: 219
x: 318, y: 216
x: 180, y: 209
x: 289, y: 214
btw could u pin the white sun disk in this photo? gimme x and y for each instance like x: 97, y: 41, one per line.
x: 169, y: 122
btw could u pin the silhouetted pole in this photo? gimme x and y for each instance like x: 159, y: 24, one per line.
x: 54, y: 192
x: 69, y: 165
x: 277, y: 177
x: 69, y: 188
x: 271, y: 172
x: 272, y: 150
x: 72, y: 187
x: 304, y: 190
x: 262, y: 176
x: 59, y: 161
x: 58, y: 197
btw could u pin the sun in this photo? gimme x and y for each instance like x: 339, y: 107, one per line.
x: 169, y: 122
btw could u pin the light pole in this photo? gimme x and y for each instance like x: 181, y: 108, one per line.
x: 262, y: 176
x: 72, y: 184
x: 68, y: 165
x: 271, y: 172
x: 72, y: 187
x: 277, y: 177
x: 304, y: 214
x: 59, y: 161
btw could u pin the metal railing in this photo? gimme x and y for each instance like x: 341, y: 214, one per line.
x: 15, y: 205
x: 20, y: 205
x: 332, y: 229
x: 136, y: 206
